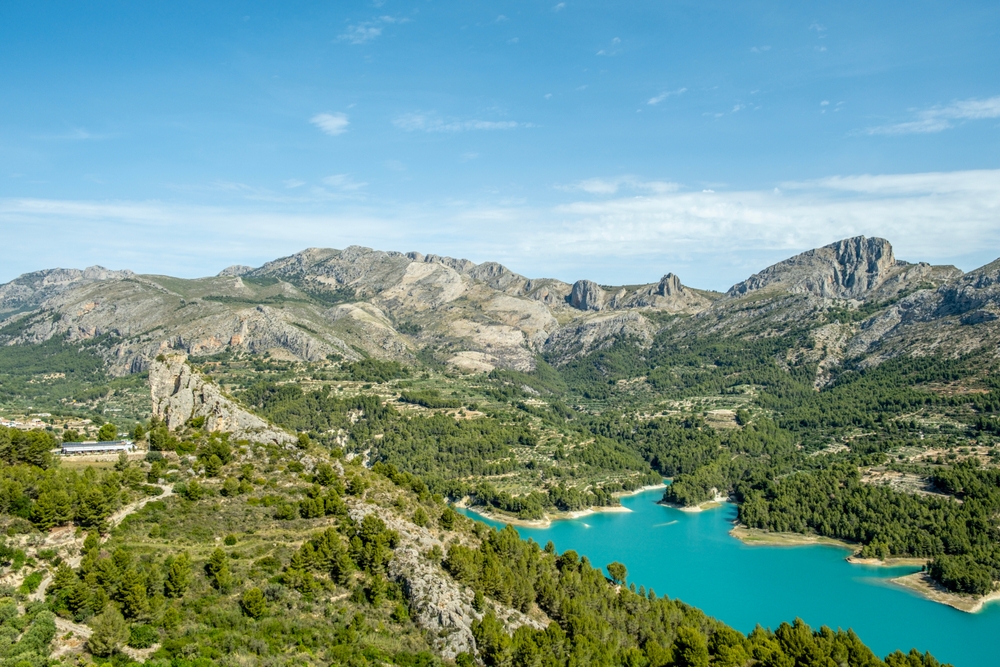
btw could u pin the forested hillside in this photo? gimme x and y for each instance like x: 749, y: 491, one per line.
x: 261, y: 555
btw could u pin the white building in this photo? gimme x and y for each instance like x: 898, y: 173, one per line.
x: 92, y: 447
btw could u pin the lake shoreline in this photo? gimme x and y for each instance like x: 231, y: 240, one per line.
x: 919, y: 583
x: 549, y: 518
x: 759, y: 537
x: 717, y: 501
x: 545, y: 522
x: 922, y: 584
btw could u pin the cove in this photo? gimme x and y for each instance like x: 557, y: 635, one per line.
x: 692, y: 557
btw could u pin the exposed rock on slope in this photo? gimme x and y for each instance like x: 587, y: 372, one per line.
x: 358, y: 301
x: 854, y: 268
x: 957, y: 317
x: 586, y: 295
x: 179, y: 394
x: 439, y: 603
x: 31, y: 289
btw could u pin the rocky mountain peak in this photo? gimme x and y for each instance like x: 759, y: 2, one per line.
x: 586, y: 295
x: 847, y: 269
x: 235, y: 270
x: 29, y: 290
x: 669, y: 285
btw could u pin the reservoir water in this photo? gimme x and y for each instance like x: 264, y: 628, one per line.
x: 692, y: 557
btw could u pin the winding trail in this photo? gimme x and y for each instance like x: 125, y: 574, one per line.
x: 64, y: 538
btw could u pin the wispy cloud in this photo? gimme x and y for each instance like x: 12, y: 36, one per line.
x: 610, y: 186
x: 759, y: 49
x: 559, y: 7
x: 75, y: 134
x: 366, y: 31
x: 939, y: 118
x: 343, y: 182
x: 653, y: 101
x: 613, y: 49
x: 431, y: 122
x: 360, y: 33
x: 712, y: 238
x: 331, y: 123
x: 293, y: 183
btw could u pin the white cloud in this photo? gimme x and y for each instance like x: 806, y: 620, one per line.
x: 612, y: 50
x: 653, y: 101
x: 610, y: 186
x: 712, y: 239
x: 331, y: 123
x: 366, y: 31
x: 759, y: 49
x: 559, y: 7
x: 343, y: 182
x: 360, y: 33
x: 931, y: 216
x: 940, y: 118
x: 293, y: 183
x: 431, y: 122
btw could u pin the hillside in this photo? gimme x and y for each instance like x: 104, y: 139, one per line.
x: 213, y: 549
x: 871, y: 378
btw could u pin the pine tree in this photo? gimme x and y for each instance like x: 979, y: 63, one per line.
x: 110, y: 631
x: 253, y: 603
x: 178, y: 576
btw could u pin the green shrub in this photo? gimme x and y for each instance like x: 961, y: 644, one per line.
x: 143, y: 636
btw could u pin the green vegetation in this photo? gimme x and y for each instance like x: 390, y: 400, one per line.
x: 793, y: 458
x: 228, y: 574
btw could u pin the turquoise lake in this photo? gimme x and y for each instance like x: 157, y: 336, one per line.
x: 691, y: 557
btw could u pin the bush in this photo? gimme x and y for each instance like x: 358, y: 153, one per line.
x: 143, y: 636
x: 110, y: 631
x: 253, y: 603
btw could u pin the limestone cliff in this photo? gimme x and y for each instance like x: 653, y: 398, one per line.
x: 854, y: 268
x: 438, y: 602
x: 31, y: 289
x: 180, y: 394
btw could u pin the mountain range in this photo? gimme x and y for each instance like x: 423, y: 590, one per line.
x: 854, y: 297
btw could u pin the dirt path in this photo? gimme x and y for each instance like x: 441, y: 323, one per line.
x: 65, y: 538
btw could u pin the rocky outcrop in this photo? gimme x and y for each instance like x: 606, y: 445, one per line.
x: 438, y: 603
x: 236, y: 270
x: 32, y: 289
x: 179, y: 394
x: 598, y: 332
x: 668, y: 295
x: 586, y: 295
x: 853, y: 268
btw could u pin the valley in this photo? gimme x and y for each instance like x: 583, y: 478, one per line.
x: 841, y: 396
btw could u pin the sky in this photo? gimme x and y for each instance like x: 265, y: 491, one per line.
x: 614, y: 141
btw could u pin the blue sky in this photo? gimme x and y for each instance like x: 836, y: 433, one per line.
x: 613, y: 141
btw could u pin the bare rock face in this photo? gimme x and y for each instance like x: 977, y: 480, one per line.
x: 849, y: 269
x: 236, y: 270
x: 438, y: 602
x: 179, y: 394
x: 598, y: 332
x: 31, y: 289
x: 668, y: 295
x: 586, y: 295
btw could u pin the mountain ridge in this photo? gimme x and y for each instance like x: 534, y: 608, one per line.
x: 358, y: 302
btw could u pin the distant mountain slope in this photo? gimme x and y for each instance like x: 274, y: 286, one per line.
x: 352, y: 302
x: 31, y: 289
x: 856, y: 268
x: 360, y: 302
